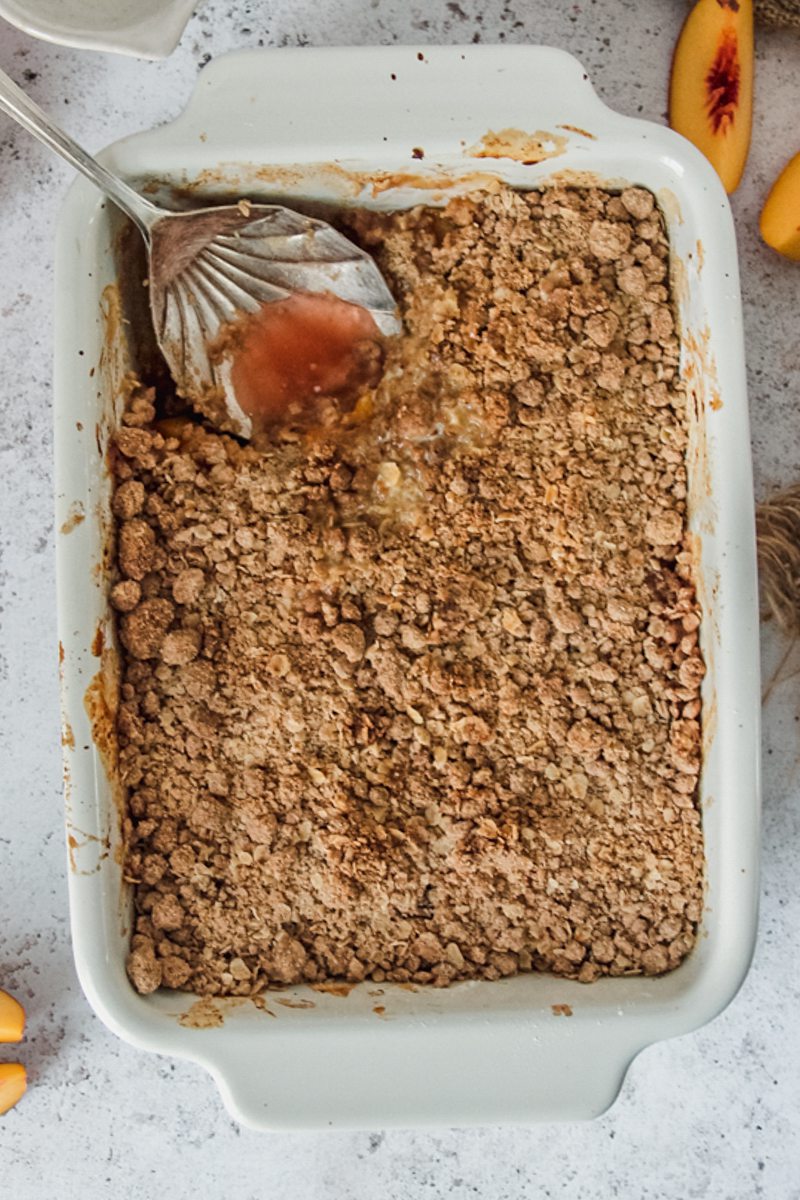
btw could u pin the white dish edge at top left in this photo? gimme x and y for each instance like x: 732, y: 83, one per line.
x: 140, y: 28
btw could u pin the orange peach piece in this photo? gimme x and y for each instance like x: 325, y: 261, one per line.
x: 780, y: 216
x: 12, y: 1018
x: 711, y: 84
x: 12, y: 1085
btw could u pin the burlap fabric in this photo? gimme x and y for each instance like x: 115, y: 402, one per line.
x: 780, y: 13
x: 778, y: 519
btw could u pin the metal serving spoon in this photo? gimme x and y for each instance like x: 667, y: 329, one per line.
x: 211, y: 266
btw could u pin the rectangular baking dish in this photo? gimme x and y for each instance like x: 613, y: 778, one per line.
x: 390, y: 128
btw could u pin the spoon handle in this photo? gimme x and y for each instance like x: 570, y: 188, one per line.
x: 23, y: 110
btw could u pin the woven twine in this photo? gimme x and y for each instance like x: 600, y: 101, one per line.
x: 778, y: 519
x: 782, y: 14
x: 778, y: 529
x: 779, y: 14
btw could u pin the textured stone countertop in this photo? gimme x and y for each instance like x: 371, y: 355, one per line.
x: 715, y: 1114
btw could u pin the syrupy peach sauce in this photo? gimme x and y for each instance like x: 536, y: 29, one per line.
x: 293, y: 357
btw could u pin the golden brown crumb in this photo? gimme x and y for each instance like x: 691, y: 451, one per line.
x: 125, y: 595
x: 128, y: 499
x: 416, y: 698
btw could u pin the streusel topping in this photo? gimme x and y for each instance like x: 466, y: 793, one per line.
x: 414, y: 694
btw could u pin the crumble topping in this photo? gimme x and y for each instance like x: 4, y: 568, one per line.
x: 414, y: 694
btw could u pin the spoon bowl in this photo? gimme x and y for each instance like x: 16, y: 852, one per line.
x: 212, y: 268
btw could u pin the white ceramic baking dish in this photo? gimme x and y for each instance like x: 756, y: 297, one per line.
x: 349, y: 125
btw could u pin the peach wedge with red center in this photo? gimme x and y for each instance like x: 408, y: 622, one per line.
x: 711, y: 85
x: 780, y: 216
x: 12, y: 1085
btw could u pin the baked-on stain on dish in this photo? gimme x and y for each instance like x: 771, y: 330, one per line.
x: 111, y: 309
x: 526, y: 148
x: 101, y: 701
x: 90, y: 840
x: 74, y: 518
x: 571, y: 177
x: 314, y: 178
x: 203, y: 1014
x: 286, y: 176
x: 260, y: 1003
x: 209, y: 1012
x: 101, y: 698
x: 670, y: 205
x: 700, y: 374
x: 379, y: 182
x: 98, y: 641
x: 577, y: 129
x: 334, y: 988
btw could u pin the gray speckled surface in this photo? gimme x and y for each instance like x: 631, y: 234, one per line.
x: 715, y: 1114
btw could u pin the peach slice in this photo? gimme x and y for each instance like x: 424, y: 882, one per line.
x: 711, y: 84
x: 780, y: 216
x: 12, y: 1085
x: 12, y: 1018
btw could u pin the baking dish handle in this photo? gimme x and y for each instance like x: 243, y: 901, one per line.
x: 437, y: 1074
